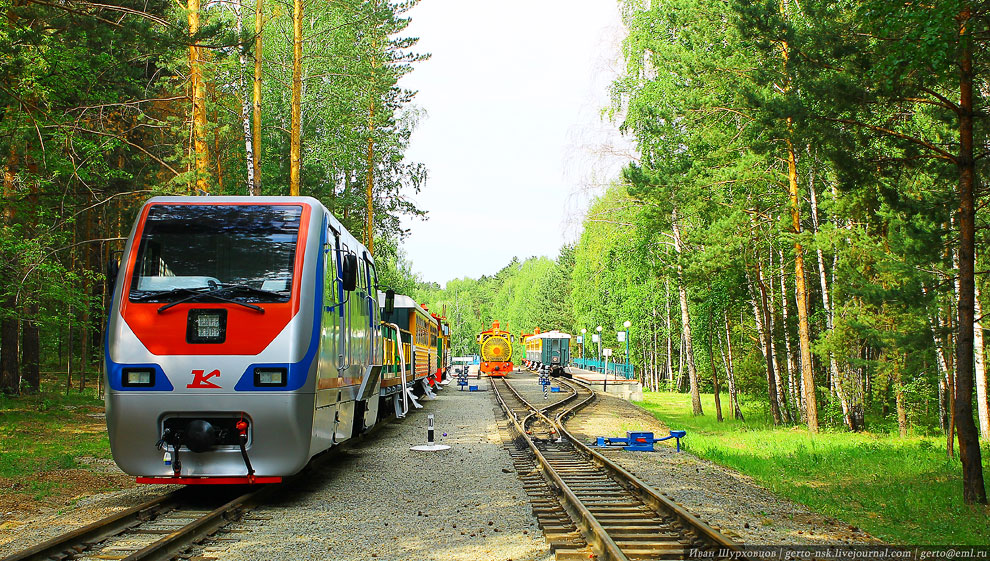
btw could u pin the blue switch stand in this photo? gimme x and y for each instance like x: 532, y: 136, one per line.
x: 638, y: 441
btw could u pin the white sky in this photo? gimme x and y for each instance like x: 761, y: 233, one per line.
x: 512, y: 135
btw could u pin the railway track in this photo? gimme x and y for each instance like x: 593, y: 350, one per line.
x: 585, y: 501
x: 180, y: 524
x: 161, y: 528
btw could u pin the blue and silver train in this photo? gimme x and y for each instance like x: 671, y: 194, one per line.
x: 244, y: 338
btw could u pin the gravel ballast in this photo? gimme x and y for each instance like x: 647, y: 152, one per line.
x: 380, y: 500
x: 724, y: 498
x: 22, y: 533
x: 383, y: 501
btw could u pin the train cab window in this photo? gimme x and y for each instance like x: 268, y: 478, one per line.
x: 242, y: 252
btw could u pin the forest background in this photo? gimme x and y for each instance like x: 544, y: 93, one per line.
x: 105, y: 105
x: 803, y: 222
x: 802, y: 227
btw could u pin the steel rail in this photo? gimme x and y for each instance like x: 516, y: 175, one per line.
x: 101, y: 529
x: 637, y: 488
x: 181, y: 539
x: 604, y: 546
x: 79, y: 541
x: 642, y: 490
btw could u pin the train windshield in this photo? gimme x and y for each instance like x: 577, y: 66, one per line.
x: 226, y: 252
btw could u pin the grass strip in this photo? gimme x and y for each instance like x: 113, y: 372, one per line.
x: 50, y: 431
x: 901, y: 490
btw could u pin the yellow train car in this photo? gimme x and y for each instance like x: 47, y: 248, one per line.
x: 419, y: 334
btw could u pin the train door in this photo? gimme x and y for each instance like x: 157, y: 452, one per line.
x: 358, y: 324
x: 327, y: 386
x: 351, y: 336
x: 366, y: 406
x: 555, y: 353
x: 374, y: 352
x: 334, y: 309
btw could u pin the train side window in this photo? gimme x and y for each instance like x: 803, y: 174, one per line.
x: 357, y: 276
x: 337, y: 272
x: 367, y: 274
x: 330, y: 267
x: 362, y: 276
x: 343, y: 255
x: 372, y: 291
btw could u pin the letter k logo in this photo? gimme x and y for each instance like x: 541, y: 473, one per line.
x: 201, y: 380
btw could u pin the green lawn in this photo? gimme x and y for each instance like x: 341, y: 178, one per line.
x: 50, y: 431
x: 904, y: 491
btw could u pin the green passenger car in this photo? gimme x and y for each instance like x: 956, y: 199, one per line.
x: 549, y: 352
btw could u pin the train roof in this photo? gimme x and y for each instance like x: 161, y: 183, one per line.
x: 209, y: 199
x: 311, y: 202
x: 555, y: 334
x: 403, y: 302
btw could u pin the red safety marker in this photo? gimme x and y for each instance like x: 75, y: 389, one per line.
x: 243, y: 480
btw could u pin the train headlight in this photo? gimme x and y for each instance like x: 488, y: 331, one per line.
x: 138, y: 377
x: 206, y: 326
x: 268, y: 377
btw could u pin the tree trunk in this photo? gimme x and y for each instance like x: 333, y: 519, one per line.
x: 84, y: 333
x: 10, y: 378
x: 857, y: 402
x: 369, y: 232
x: 769, y: 326
x: 654, y: 367
x: 711, y: 358
x: 974, y: 490
x: 686, y: 324
x: 981, y: 371
x: 256, y: 135
x: 772, y: 329
x: 31, y: 350
x: 804, y: 331
x: 792, y: 387
x: 295, y: 151
x: 943, y: 414
x: 198, y: 89
x: 950, y: 374
x: 885, y: 405
x: 837, y: 379
x: 942, y: 359
x: 902, y: 424
x: 760, y: 314
x: 729, y: 371
x: 669, y: 364
x: 246, y: 104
